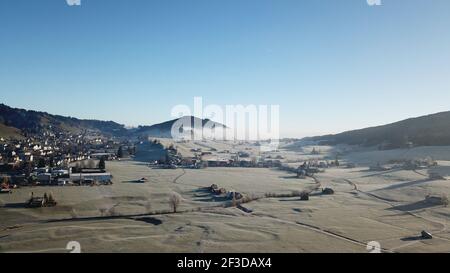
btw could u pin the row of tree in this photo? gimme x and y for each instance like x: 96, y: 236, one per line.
x: 129, y: 151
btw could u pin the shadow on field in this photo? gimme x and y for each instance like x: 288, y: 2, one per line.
x: 139, y: 163
x: 201, y: 190
x: 150, y: 220
x: 412, y: 238
x: 210, y: 198
x: 414, y: 206
x: 205, y: 195
x: 407, y: 184
x: 293, y: 199
x: 138, y: 217
x: 133, y: 182
x: 14, y: 206
x: 290, y: 177
x: 377, y: 173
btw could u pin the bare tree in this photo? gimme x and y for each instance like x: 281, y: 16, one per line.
x: 112, y: 210
x: 5, y: 182
x: 444, y: 199
x: 175, y: 201
x: 102, y: 211
x: 74, y: 214
x: 234, y: 202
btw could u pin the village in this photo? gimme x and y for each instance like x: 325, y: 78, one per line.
x: 59, y: 159
x: 64, y: 159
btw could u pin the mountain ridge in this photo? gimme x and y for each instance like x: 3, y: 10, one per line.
x: 428, y: 130
x: 16, y: 121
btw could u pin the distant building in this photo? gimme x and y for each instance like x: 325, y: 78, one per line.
x: 100, y: 177
x: 106, y: 156
x: 218, y: 163
x: 60, y: 172
x: 45, y: 178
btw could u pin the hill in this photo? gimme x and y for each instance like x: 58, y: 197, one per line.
x: 9, y: 132
x: 164, y: 130
x: 15, y: 122
x: 33, y: 122
x: 430, y: 130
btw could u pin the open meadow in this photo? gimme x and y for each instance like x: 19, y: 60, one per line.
x: 385, y: 206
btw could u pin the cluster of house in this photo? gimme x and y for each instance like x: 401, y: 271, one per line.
x: 310, y: 167
x: 234, y: 160
x: 47, y: 158
x: 66, y: 177
x: 38, y: 202
x: 56, y: 150
x: 229, y: 195
x: 199, y: 158
x: 59, y: 177
x: 417, y: 164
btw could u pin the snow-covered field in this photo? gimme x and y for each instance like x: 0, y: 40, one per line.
x: 384, y: 206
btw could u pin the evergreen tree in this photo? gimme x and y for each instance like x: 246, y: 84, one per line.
x: 52, y: 162
x: 42, y: 163
x: 102, y: 163
x: 120, y: 152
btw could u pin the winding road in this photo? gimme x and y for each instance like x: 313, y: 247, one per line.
x: 180, y: 176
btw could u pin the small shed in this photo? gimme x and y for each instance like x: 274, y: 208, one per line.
x: 426, y: 235
x: 304, y: 196
x: 143, y: 180
x: 328, y: 191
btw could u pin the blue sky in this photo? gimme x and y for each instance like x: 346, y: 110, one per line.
x: 330, y: 65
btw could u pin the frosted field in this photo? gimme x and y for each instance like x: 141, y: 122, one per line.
x: 368, y: 206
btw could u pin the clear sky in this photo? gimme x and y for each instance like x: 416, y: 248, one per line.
x: 330, y: 65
